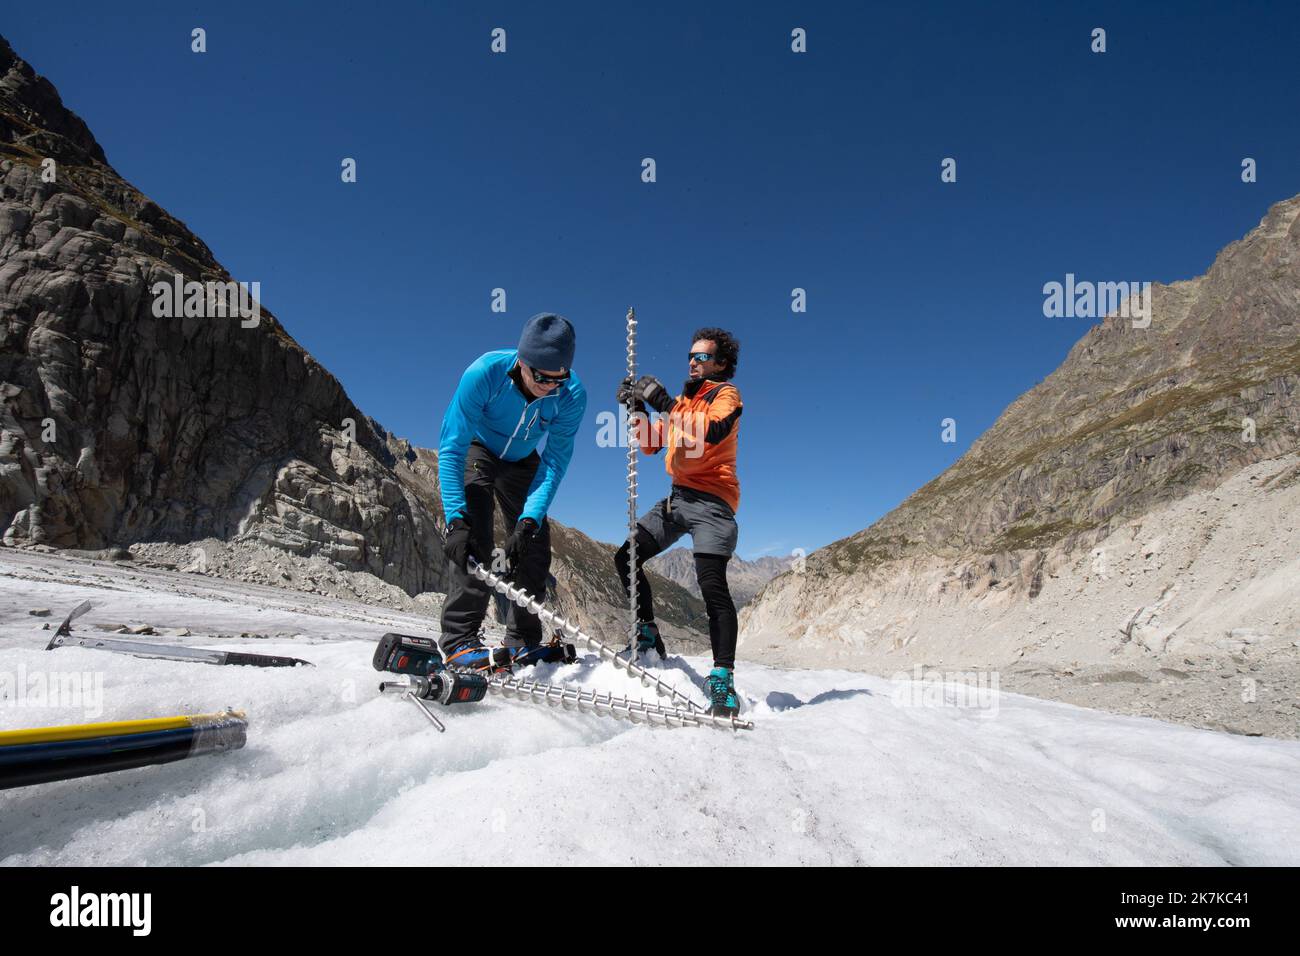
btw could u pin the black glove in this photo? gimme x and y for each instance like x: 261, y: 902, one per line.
x: 518, y: 544
x: 457, y: 544
x: 624, y: 396
x: 651, y: 391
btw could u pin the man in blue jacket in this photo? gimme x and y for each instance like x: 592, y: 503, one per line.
x: 506, y: 403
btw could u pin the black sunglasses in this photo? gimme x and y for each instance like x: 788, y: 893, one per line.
x: 700, y: 357
x: 541, y: 378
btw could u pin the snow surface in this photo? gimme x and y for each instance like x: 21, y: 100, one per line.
x: 836, y: 770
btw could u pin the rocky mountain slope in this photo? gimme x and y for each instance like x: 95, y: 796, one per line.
x: 1066, y: 532
x: 118, y: 427
x: 745, y: 578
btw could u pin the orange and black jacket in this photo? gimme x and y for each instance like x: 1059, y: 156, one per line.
x: 700, y: 433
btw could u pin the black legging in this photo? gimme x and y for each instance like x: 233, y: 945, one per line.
x: 646, y: 548
x: 710, y: 572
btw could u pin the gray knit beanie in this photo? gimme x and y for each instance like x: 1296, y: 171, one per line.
x: 548, y: 342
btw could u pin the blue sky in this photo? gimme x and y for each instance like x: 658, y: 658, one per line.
x: 775, y: 170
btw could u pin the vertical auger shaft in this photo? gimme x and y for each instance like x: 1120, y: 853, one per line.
x: 632, y: 446
x: 572, y: 631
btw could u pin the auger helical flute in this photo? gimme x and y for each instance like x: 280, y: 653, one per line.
x: 632, y: 445
x: 572, y: 631
x: 607, y: 705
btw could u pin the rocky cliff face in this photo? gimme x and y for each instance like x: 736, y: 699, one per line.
x: 119, y: 427
x: 1133, y: 421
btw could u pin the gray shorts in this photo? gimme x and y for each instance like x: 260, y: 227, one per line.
x: 706, y: 518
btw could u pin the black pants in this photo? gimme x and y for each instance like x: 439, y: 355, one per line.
x: 489, y: 481
x: 710, y: 572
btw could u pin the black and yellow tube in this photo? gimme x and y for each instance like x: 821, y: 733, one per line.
x: 46, y: 754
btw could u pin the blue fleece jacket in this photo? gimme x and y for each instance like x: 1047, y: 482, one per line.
x: 488, y: 406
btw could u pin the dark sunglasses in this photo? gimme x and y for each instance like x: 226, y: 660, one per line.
x: 700, y: 357
x: 541, y: 378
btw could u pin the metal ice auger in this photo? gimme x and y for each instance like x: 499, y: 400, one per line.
x: 632, y: 445
x: 607, y: 705
x: 572, y: 631
x: 420, y: 689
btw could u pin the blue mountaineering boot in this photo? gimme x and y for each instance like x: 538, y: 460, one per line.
x: 527, y: 655
x: 648, y: 639
x: 720, y: 687
x: 516, y: 651
x: 474, y: 655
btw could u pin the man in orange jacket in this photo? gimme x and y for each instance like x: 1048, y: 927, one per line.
x: 699, y: 429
